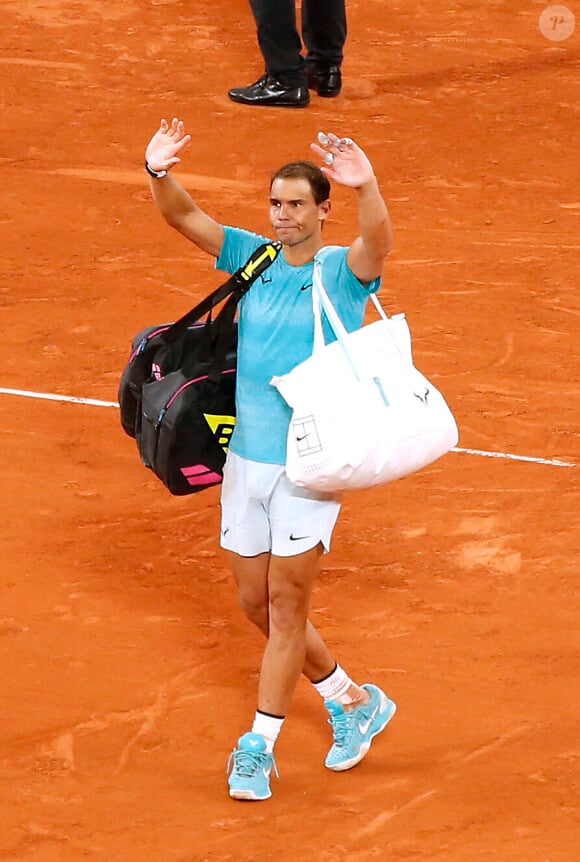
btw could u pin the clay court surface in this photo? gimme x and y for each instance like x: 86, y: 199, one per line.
x: 128, y: 671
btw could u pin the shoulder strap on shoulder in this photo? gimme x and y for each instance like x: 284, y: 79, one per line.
x: 237, y: 284
x: 260, y: 260
x: 324, y: 252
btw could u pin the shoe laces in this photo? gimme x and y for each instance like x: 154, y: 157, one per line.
x: 247, y: 763
x: 341, y: 726
x: 342, y: 723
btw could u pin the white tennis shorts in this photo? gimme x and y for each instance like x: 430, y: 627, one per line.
x: 263, y: 511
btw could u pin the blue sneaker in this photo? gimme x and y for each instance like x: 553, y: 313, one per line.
x: 355, y: 729
x: 250, y: 767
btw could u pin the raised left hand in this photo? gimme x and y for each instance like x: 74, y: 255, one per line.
x: 343, y: 160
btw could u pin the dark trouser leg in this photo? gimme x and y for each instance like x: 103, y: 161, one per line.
x: 324, y: 31
x: 279, y: 40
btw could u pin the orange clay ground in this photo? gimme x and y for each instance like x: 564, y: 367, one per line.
x: 127, y: 669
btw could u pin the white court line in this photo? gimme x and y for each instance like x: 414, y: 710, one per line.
x: 47, y: 396
x: 95, y: 402
x: 552, y: 461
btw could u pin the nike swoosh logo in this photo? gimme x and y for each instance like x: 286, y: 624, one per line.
x: 364, y: 726
x: 305, y: 287
x: 297, y: 538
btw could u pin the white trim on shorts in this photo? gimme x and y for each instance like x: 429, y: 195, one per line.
x: 262, y: 511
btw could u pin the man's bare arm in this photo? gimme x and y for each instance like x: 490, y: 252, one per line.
x: 346, y: 164
x: 175, y: 204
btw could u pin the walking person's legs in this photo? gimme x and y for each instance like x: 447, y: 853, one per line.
x: 265, y: 521
x: 275, y: 594
x: 251, y: 575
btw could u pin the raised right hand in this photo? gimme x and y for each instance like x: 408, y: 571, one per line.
x: 162, y: 149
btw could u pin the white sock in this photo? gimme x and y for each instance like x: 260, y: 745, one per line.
x: 268, y: 726
x: 335, y: 686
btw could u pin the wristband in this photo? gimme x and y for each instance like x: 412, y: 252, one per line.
x: 152, y: 173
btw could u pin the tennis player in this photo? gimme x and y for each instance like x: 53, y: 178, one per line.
x: 275, y: 533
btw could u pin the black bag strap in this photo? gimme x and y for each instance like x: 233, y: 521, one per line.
x: 237, y: 284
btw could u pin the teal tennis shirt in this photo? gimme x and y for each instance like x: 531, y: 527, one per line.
x: 276, y: 332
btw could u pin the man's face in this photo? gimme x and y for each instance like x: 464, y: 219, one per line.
x: 294, y: 214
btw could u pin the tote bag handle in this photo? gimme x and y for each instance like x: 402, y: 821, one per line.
x: 320, y: 299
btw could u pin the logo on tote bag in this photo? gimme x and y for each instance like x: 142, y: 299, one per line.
x: 422, y: 397
x: 306, y: 436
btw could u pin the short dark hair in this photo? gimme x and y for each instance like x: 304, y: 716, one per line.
x: 308, y: 171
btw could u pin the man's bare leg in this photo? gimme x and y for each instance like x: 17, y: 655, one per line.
x: 290, y: 582
x: 251, y: 575
x: 275, y: 594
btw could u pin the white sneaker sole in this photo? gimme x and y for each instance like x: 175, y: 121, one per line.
x: 247, y: 795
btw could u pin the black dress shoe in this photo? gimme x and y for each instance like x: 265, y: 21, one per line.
x: 271, y: 93
x: 326, y: 80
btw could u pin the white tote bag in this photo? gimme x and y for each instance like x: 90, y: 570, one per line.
x: 362, y: 414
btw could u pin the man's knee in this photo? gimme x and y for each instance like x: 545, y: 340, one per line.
x: 255, y: 608
x: 288, y: 610
x: 290, y: 583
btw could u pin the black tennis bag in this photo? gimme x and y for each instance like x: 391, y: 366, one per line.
x: 177, y: 391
